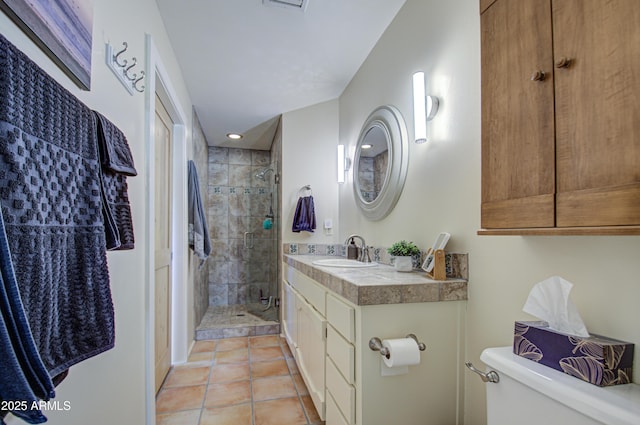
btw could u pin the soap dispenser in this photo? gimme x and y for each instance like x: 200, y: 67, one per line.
x: 352, y: 250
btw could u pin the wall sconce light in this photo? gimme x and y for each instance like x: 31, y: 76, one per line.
x: 425, y: 107
x: 344, y: 164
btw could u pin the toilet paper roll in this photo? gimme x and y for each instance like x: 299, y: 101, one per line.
x: 402, y: 352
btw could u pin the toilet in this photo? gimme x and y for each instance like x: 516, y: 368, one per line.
x: 529, y: 393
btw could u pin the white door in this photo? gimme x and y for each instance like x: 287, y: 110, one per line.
x: 162, y: 226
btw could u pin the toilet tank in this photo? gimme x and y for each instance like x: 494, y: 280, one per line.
x: 529, y: 393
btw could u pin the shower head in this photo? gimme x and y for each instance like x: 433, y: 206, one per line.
x: 263, y: 173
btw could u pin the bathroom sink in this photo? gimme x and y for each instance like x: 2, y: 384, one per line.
x: 342, y: 262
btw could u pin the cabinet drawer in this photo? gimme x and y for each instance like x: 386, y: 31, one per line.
x: 342, y: 317
x: 342, y: 353
x: 334, y: 416
x: 343, y: 394
x: 312, y: 291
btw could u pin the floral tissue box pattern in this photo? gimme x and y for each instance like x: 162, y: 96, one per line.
x: 598, y: 360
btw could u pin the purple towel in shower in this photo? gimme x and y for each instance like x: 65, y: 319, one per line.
x: 304, y: 219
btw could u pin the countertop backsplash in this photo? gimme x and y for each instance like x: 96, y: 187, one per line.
x: 457, y: 264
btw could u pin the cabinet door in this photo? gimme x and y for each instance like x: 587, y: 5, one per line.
x: 518, y: 153
x: 342, y: 317
x: 342, y: 393
x: 289, y: 314
x: 334, y: 416
x: 342, y: 353
x: 597, y: 112
x: 310, y: 352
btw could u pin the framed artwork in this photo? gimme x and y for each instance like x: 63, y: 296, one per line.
x: 62, y: 29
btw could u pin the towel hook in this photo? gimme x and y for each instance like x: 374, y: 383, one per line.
x: 135, y: 83
x: 117, y: 55
x: 122, y: 69
x: 304, y: 188
x: 126, y: 70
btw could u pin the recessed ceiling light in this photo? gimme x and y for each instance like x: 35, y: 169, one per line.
x: 366, y: 146
x: 294, y: 4
x: 234, y: 136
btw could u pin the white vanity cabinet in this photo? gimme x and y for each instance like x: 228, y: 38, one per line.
x: 329, y: 335
x: 305, y: 329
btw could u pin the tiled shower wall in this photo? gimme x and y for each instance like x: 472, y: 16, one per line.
x: 243, y: 263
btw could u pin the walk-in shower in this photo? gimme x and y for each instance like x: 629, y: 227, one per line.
x: 243, y: 270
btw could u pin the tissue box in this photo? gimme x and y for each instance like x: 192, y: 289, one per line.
x: 598, y: 360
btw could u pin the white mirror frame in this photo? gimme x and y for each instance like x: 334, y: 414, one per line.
x: 390, y: 120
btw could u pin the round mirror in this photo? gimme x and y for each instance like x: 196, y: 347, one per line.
x: 380, y: 163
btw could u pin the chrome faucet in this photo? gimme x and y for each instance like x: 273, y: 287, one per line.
x: 363, y: 249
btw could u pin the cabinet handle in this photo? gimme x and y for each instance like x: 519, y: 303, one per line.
x: 564, y: 63
x: 538, y: 76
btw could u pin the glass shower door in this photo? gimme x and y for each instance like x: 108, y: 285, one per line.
x: 261, y: 248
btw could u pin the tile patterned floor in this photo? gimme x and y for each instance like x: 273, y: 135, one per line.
x: 228, y: 321
x: 236, y: 381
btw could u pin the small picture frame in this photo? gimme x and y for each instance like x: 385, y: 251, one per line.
x: 440, y: 243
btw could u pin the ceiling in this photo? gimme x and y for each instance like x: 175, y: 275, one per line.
x: 245, y: 62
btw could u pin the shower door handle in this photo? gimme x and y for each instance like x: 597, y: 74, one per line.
x: 248, y: 240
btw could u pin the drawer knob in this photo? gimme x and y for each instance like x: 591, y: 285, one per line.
x: 564, y: 63
x: 538, y: 76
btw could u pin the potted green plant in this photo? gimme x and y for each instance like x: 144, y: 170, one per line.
x: 403, y: 253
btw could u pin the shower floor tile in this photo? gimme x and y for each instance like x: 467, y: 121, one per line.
x: 238, y: 321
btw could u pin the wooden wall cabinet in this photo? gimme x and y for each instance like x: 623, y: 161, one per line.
x: 560, y: 117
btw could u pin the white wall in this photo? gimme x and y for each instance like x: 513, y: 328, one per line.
x: 309, y: 157
x: 111, y: 387
x: 442, y: 192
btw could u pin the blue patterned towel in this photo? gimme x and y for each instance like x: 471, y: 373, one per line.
x: 113, y: 148
x: 50, y: 199
x: 23, y: 376
x: 117, y: 164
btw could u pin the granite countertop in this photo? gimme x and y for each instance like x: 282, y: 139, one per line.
x: 379, y: 285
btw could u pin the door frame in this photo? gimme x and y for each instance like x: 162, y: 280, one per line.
x: 158, y: 81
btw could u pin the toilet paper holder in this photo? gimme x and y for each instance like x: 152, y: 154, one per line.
x: 375, y: 344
